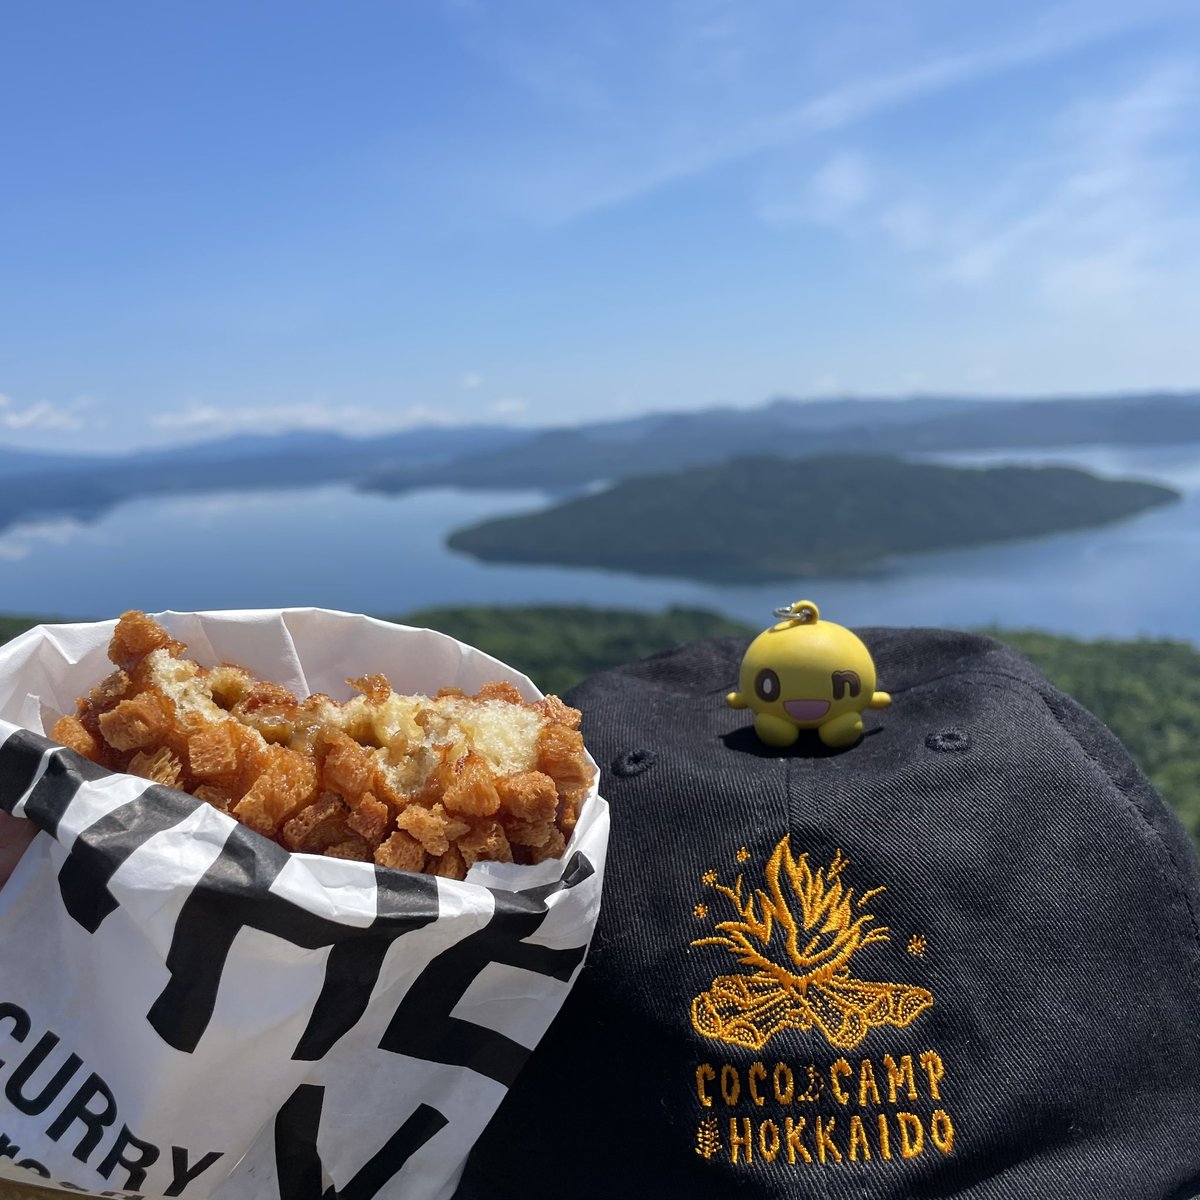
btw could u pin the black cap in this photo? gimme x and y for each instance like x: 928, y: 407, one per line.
x: 958, y: 959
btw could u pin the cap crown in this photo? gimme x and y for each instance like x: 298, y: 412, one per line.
x: 961, y: 958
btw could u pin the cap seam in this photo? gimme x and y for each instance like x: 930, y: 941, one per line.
x: 1162, y: 848
x: 897, y: 691
x: 1161, y: 845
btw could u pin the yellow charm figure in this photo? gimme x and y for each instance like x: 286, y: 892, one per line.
x: 805, y: 673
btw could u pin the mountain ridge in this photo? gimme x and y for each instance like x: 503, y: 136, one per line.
x: 40, y: 484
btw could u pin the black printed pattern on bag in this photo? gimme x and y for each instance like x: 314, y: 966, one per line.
x: 94, y: 860
x: 47, y: 799
x: 234, y: 895
x: 298, y: 1165
x: 78, y: 1109
x: 422, y: 1026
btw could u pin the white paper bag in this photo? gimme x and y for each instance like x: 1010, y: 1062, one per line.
x: 186, y: 1009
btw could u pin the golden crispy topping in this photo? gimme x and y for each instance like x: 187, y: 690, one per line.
x: 417, y: 783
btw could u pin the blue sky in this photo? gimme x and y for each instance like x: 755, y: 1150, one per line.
x: 222, y: 216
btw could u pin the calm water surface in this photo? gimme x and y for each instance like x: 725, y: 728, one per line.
x: 337, y: 548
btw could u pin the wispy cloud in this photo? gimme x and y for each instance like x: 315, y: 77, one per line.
x: 1059, y: 31
x: 558, y: 70
x: 1102, y: 210
x: 20, y: 541
x: 832, y: 194
x: 1093, y: 208
x: 651, y: 150
x: 471, y: 380
x: 215, y: 419
x: 42, y: 415
x: 510, y: 406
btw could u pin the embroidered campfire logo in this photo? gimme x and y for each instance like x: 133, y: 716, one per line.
x: 797, y: 937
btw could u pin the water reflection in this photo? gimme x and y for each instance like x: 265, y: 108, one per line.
x: 337, y: 548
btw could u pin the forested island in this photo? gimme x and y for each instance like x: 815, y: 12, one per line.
x: 1146, y: 690
x: 760, y: 519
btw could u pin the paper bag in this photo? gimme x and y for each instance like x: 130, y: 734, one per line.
x: 186, y: 1009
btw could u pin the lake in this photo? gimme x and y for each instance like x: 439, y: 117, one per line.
x: 337, y: 548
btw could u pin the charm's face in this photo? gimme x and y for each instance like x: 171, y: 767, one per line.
x: 806, y: 674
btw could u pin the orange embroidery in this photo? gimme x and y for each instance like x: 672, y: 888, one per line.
x: 917, y: 945
x: 894, y: 1135
x: 798, y: 937
x: 758, y: 1071
x: 841, y: 1067
x: 743, y: 1140
x: 791, y: 1134
x: 825, y: 1140
x: 866, y: 1082
x: 701, y: 910
x: 708, y: 878
x: 813, y: 1091
x: 912, y: 1136
x: 783, y: 1094
x: 708, y: 1140
x: 768, y: 1147
x: 858, y: 1140
x: 941, y: 1130
x: 743, y: 854
x: 885, y: 1146
x: 899, y: 1075
x: 931, y: 1060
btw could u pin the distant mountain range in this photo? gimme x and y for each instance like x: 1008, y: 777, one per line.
x: 36, y: 485
x: 565, y: 459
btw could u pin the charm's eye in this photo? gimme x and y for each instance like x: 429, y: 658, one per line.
x: 843, y: 680
x: 766, y: 685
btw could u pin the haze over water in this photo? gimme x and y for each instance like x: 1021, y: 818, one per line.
x: 337, y: 548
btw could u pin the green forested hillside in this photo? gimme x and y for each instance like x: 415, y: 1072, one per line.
x: 13, y: 624
x: 556, y: 646
x: 1146, y: 691
x: 776, y: 519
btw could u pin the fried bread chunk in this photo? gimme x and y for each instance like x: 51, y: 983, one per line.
x: 417, y: 783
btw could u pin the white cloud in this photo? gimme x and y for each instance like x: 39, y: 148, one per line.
x: 472, y: 380
x: 843, y: 183
x: 910, y: 224
x: 1095, y: 211
x: 1059, y: 31
x: 510, y: 406
x: 561, y: 70
x: 42, y: 415
x: 19, y: 542
x: 662, y: 143
x: 827, y: 196
x: 713, y: 41
x: 277, y: 418
x: 1105, y: 209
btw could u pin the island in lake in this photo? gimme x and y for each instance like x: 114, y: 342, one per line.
x: 761, y: 519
